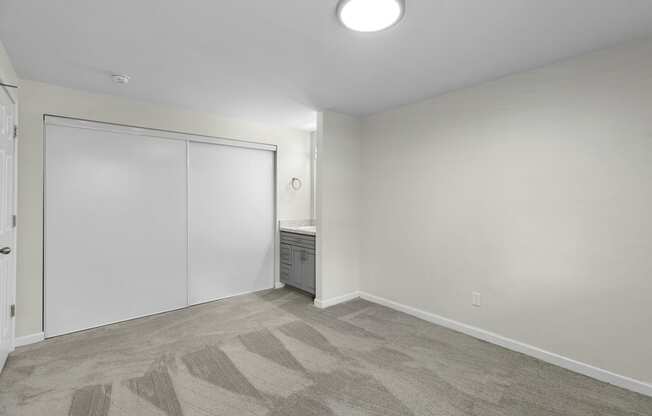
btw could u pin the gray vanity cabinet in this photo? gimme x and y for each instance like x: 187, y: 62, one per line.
x: 298, y: 261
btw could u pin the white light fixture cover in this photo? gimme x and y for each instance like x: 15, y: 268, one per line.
x: 370, y: 15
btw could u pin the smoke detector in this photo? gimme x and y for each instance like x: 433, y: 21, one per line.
x: 121, y: 79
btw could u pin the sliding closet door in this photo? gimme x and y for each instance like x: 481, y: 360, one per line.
x: 115, y: 225
x: 231, y: 206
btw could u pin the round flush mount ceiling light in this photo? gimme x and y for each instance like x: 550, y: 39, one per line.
x: 370, y: 15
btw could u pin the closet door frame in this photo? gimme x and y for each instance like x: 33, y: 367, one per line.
x: 158, y: 134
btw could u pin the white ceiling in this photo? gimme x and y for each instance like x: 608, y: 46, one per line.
x: 278, y: 61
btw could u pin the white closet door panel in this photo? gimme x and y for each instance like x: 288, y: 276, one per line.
x: 231, y: 205
x: 116, y: 227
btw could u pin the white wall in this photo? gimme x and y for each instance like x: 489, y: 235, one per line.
x: 535, y: 190
x: 338, y: 214
x: 294, y: 159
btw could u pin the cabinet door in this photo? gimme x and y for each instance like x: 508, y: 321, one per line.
x: 296, y: 270
x: 308, y: 269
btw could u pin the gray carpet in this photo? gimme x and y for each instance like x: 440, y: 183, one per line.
x: 273, y: 353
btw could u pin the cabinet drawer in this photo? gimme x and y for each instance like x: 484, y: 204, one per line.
x: 286, y: 254
x: 305, y: 241
x: 285, y: 274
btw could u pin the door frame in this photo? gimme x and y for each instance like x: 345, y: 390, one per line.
x: 160, y: 134
x: 13, y: 272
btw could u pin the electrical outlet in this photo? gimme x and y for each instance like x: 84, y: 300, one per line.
x: 476, y: 299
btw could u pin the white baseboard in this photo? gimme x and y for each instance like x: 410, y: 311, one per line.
x: 547, y: 356
x: 29, y: 339
x: 327, y: 303
x: 279, y: 285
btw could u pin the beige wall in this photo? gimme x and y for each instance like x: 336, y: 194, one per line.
x: 338, y: 215
x: 294, y: 159
x: 535, y: 190
x: 7, y: 73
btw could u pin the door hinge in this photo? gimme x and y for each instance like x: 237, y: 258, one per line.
x: 14, y: 221
x: 12, y: 311
x: 15, y: 131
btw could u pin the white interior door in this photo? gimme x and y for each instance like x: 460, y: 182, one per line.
x: 232, y: 211
x: 115, y: 225
x: 7, y: 230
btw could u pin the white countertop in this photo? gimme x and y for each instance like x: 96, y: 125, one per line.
x: 300, y: 229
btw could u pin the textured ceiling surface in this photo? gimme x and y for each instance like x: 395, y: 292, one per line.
x: 277, y: 62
